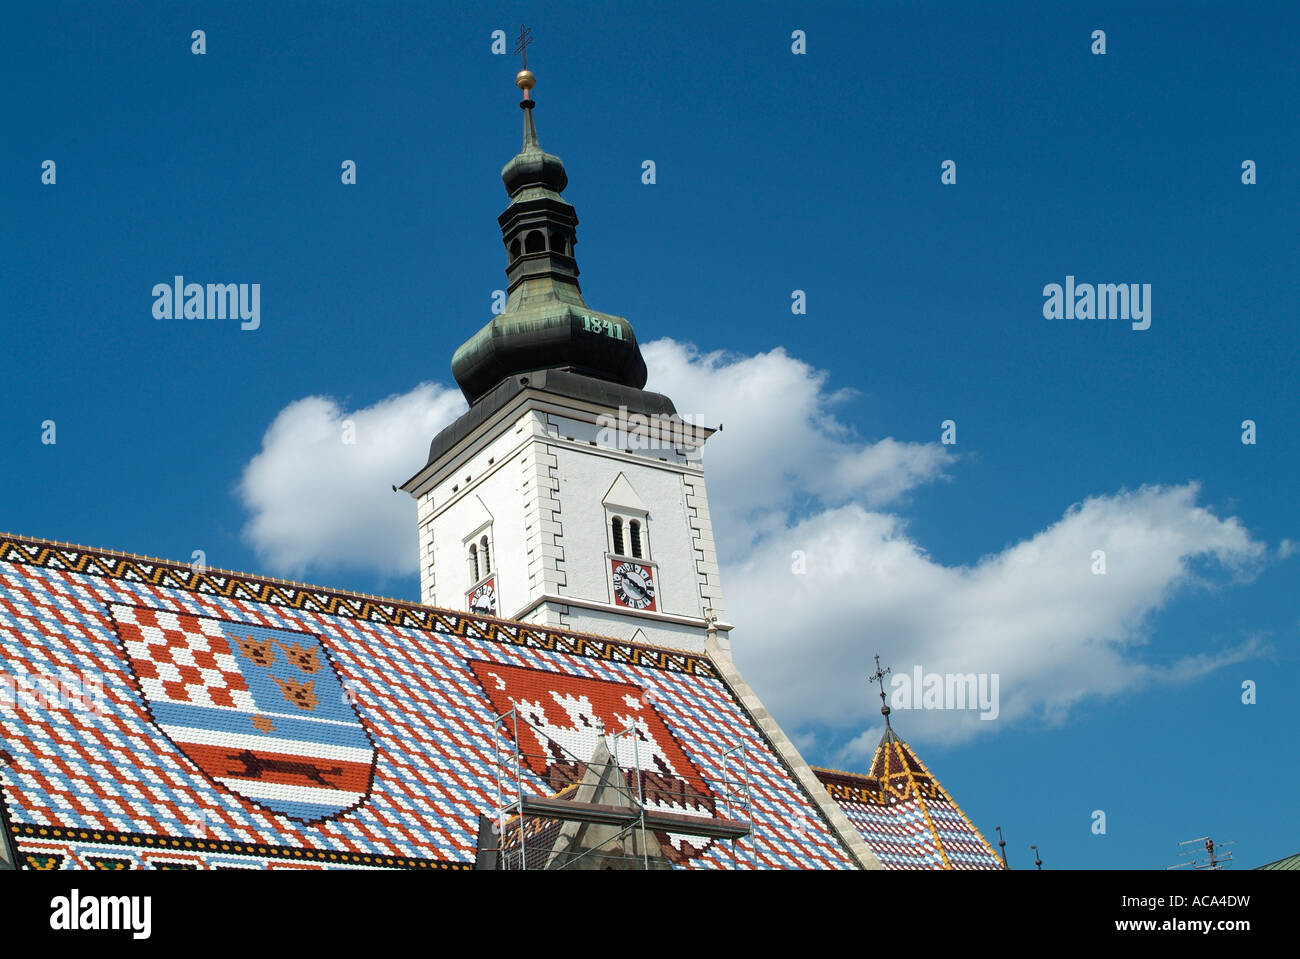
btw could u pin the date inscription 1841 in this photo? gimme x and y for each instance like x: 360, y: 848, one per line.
x: 594, y: 324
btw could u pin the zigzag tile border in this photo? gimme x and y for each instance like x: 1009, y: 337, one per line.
x: 138, y: 569
x: 59, y: 842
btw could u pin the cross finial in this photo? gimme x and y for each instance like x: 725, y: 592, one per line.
x: 879, y: 677
x: 524, y: 79
x: 521, y: 44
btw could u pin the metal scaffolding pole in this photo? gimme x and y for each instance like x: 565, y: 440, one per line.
x: 522, y: 815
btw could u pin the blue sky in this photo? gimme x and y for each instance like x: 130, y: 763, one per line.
x: 775, y: 172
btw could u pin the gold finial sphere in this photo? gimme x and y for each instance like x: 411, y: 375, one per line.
x: 525, y: 80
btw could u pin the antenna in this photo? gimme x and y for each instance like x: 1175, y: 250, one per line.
x: 1038, y: 861
x: 1215, y: 859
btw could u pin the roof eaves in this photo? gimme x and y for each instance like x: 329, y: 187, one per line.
x: 1286, y: 862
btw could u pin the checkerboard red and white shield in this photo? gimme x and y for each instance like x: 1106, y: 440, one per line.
x: 260, y: 711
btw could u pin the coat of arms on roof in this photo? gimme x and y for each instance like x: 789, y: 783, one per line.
x: 260, y: 711
x: 565, y: 717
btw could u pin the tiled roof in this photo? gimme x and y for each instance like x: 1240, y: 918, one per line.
x: 905, y: 815
x: 152, y: 715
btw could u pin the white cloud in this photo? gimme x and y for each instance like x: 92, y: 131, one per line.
x: 1034, y: 614
x: 787, y: 475
x: 781, y: 442
x: 318, y: 503
x: 858, y: 751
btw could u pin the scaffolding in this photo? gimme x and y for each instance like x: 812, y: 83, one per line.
x: 604, y: 811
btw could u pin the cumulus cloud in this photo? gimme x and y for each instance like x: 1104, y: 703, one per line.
x: 858, y: 751
x: 1035, y: 614
x: 316, y: 502
x: 781, y: 442
x: 787, y: 476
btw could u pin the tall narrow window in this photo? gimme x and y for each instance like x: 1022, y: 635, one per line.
x: 486, y: 550
x: 634, y: 534
x: 616, y: 524
x: 473, y: 564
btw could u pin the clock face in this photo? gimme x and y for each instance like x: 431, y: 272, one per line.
x: 483, y: 599
x: 634, y: 585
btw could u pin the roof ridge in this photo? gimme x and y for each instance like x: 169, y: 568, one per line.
x: 841, y: 772
x: 929, y: 822
x: 345, y: 593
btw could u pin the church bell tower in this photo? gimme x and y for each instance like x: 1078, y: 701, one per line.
x: 567, y: 495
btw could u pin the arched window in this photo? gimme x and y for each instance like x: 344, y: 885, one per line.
x: 514, y: 249
x: 535, y: 242
x: 486, y: 552
x: 559, y: 242
x: 616, y: 525
x: 634, y: 534
x: 473, y: 564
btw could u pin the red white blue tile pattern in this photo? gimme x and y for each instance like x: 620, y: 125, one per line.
x: 129, y: 687
x: 259, y: 711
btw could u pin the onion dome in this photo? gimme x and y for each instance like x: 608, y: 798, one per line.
x: 532, y: 166
x: 546, y: 324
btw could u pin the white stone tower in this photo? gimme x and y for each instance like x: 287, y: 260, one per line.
x: 567, y: 495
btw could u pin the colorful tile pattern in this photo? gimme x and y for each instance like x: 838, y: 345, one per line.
x: 905, y: 815
x: 260, y: 711
x: 133, y: 693
x: 560, y: 718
